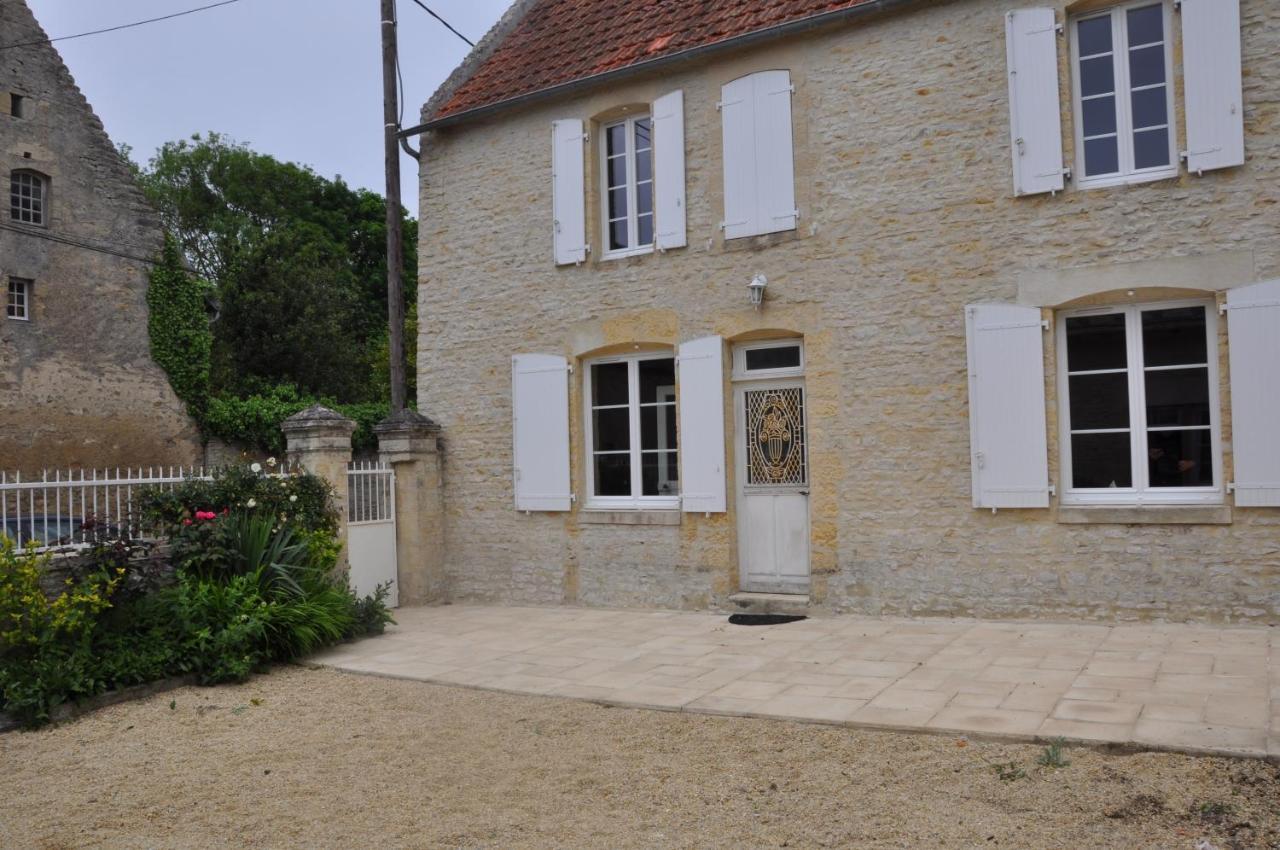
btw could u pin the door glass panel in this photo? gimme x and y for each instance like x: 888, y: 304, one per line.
x: 775, y: 437
x: 1180, y: 458
x: 778, y: 357
x: 657, y: 380
x: 1101, y: 461
x: 1099, y: 401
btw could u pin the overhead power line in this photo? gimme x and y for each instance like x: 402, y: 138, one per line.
x: 114, y: 251
x: 447, y: 25
x: 121, y: 26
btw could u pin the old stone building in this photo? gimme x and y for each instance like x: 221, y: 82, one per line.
x: 77, y: 383
x: 880, y: 306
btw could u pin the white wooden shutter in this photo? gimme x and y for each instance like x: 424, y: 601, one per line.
x: 701, y: 392
x: 737, y: 119
x: 668, y: 170
x: 775, y: 166
x: 540, y: 413
x: 568, y: 192
x: 1010, y: 454
x: 1035, y: 117
x: 1253, y: 334
x: 1211, y: 76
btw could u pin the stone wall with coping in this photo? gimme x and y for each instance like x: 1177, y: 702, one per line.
x: 78, y: 386
x: 904, y: 184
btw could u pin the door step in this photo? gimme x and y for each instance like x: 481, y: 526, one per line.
x: 771, y: 603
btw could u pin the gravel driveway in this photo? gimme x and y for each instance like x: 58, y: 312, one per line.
x: 317, y: 759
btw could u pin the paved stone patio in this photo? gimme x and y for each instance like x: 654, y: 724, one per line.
x: 1195, y: 688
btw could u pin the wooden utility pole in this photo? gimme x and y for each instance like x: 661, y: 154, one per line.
x: 395, y: 238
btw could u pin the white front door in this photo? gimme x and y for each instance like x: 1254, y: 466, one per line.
x: 773, y: 486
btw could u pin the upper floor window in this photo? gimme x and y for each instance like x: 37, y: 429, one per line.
x: 18, y: 303
x: 27, y: 192
x: 627, y: 167
x: 1140, y: 421
x: 1122, y: 66
x: 17, y: 105
x: 631, y: 432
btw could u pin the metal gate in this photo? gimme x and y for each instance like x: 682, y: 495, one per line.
x: 371, y: 528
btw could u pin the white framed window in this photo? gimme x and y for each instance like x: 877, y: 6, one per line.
x: 1122, y: 71
x: 18, y: 303
x: 631, y: 442
x: 626, y: 165
x: 774, y: 359
x: 27, y: 197
x: 1139, y: 404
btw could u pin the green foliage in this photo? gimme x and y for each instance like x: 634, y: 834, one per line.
x: 371, y: 616
x: 297, y: 262
x: 1052, y: 755
x: 226, y: 625
x: 254, y: 420
x: 178, y: 324
x: 300, y: 500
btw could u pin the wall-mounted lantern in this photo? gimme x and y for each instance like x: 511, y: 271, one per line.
x: 756, y: 288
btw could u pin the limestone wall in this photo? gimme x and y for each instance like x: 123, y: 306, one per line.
x: 905, y: 190
x: 77, y: 383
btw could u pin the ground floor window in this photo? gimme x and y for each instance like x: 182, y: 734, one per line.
x: 1139, y: 389
x: 631, y: 432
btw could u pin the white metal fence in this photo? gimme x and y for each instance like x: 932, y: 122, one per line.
x: 75, y: 507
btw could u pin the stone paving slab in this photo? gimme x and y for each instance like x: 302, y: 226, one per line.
x: 1193, y: 688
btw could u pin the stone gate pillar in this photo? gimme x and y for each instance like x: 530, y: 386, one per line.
x: 410, y: 444
x: 318, y: 440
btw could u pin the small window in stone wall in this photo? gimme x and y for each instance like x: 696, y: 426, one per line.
x: 27, y: 191
x: 18, y: 303
x: 17, y: 105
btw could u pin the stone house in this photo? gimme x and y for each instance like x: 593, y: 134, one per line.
x: 77, y: 383
x: 948, y: 307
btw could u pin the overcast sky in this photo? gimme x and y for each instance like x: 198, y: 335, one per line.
x: 298, y: 79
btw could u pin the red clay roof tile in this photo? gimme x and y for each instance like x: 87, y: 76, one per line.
x: 558, y: 41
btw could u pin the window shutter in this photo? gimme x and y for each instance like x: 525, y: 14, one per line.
x: 568, y: 192
x: 1035, y: 118
x: 775, y: 165
x: 1253, y: 333
x: 701, y: 392
x: 1211, y: 76
x: 668, y: 170
x: 1007, y: 431
x: 737, y: 118
x: 540, y: 413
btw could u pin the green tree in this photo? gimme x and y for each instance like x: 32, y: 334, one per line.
x: 296, y: 263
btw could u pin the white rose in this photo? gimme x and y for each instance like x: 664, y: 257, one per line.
x: 256, y: 467
x: 252, y: 503
x: 293, y: 498
x: 271, y: 461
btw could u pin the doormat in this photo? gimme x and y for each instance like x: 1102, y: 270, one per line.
x: 764, y: 619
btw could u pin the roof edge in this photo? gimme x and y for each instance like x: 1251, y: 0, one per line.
x: 476, y: 57
x: 873, y: 7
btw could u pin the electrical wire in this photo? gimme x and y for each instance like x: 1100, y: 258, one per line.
x: 447, y: 25
x: 121, y: 26
x: 75, y: 243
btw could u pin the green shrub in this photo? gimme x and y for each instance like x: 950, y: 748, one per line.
x: 254, y: 420
x: 371, y: 615
x: 226, y: 625
x: 302, y: 500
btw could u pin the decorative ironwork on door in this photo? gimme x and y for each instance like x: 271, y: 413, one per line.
x: 775, y: 436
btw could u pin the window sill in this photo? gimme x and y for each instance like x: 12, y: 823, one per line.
x: 1127, y: 180
x: 1146, y: 515
x: 761, y: 240
x: 623, y: 255
x: 597, y: 516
